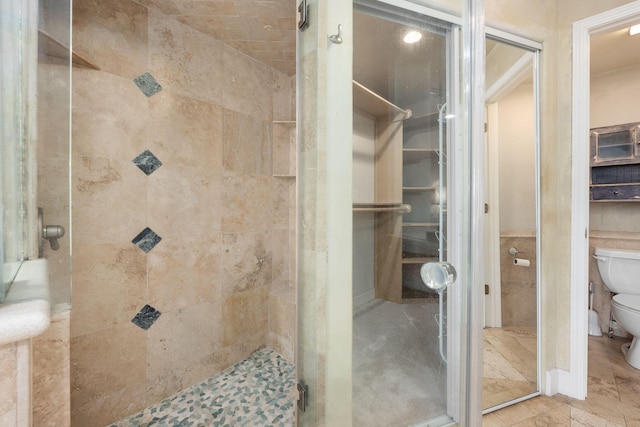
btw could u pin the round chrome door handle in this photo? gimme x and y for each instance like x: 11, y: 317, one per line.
x: 438, y: 275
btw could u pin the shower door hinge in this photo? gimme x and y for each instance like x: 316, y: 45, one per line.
x: 303, y: 396
x: 303, y: 15
x: 486, y: 289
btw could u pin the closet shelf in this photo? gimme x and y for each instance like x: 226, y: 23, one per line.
x: 421, y: 151
x: 420, y: 224
x: 418, y: 189
x: 373, y: 104
x: 382, y: 207
x: 419, y: 260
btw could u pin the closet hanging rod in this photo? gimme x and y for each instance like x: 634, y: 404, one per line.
x: 392, y: 207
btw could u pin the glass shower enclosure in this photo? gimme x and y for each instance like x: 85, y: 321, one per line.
x: 36, y: 141
x: 388, y: 184
x: 402, y: 72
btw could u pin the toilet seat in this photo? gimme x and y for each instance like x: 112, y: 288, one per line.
x: 627, y: 302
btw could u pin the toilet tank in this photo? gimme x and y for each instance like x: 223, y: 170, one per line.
x: 620, y: 269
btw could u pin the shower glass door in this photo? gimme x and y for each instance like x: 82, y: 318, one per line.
x: 387, y: 182
x: 402, y: 72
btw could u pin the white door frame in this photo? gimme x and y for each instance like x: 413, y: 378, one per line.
x: 574, y: 383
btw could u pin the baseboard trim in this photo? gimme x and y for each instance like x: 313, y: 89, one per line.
x: 560, y: 381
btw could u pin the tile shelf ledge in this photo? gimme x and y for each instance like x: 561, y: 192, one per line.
x: 57, y: 49
x: 26, y: 313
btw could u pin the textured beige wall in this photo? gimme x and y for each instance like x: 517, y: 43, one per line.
x: 224, y: 220
x: 517, y: 164
x: 537, y: 21
x: 550, y: 23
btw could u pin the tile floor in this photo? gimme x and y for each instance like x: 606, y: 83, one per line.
x: 509, y: 364
x: 258, y: 391
x: 613, y: 396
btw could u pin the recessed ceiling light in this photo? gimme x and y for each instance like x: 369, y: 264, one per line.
x: 412, y: 36
x: 633, y: 30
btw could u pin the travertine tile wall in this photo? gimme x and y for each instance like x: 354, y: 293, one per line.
x: 8, y: 384
x: 518, y: 288
x: 51, y: 374
x: 263, y: 30
x: 220, y: 276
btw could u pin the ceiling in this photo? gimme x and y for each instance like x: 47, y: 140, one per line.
x: 614, y: 50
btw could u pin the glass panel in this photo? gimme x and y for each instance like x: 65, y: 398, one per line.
x: 403, y: 81
x: 307, y: 345
x: 326, y: 151
x: 324, y: 88
x: 511, y: 225
x: 615, y: 145
x: 54, y: 100
x: 13, y: 142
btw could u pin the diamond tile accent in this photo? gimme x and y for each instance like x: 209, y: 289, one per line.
x: 147, y: 162
x: 146, y: 240
x: 146, y: 317
x: 147, y: 84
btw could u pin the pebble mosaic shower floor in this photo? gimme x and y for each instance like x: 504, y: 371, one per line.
x: 258, y: 391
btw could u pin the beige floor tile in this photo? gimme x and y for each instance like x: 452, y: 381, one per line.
x: 492, y: 420
x: 527, y: 410
x: 613, y: 396
x: 584, y: 418
x: 559, y: 416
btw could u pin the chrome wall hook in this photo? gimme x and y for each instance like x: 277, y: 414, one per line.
x: 337, y: 38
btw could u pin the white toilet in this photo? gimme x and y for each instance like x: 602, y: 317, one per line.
x: 620, y: 270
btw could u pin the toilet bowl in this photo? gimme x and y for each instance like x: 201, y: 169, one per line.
x: 620, y: 271
x: 626, y: 311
